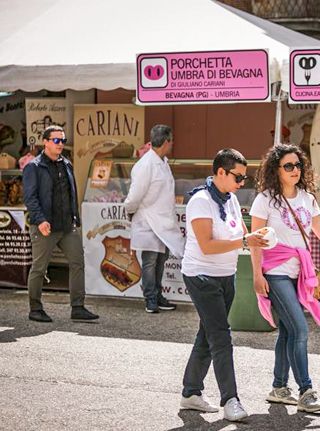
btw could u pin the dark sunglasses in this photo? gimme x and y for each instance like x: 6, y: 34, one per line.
x: 289, y: 167
x: 238, y: 177
x: 58, y: 140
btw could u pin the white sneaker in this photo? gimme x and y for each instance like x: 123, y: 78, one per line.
x: 309, y: 402
x: 233, y: 410
x: 197, y: 402
x: 282, y: 395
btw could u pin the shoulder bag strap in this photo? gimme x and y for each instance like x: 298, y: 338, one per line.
x: 303, y: 232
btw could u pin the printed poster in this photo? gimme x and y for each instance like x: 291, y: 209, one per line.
x: 101, y: 171
x: 12, y: 125
x: 297, y: 118
x: 15, y: 249
x: 41, y: 113
x: 110, y: 267
x: 101, y: 131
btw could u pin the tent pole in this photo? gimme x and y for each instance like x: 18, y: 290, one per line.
x: 278, y: 122
x: 315, y: 149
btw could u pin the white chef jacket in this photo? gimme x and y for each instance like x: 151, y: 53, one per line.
x: 151, y: 200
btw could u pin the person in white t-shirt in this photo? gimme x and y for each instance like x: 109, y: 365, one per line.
x: 215, y: 233
x: 285, y: 201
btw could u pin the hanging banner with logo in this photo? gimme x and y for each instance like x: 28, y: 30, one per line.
x: 304, y: 76
x: 203, y: 77
x: 110, y: 266
x: 105, y: 131
x: 41, y: 113
x: 15, y: 248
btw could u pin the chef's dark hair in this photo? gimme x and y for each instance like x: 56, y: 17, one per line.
x: 159, y: 134
x: 53, y: 128
x: 226, y: 159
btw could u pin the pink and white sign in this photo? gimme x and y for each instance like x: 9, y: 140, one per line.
x: 304, y: 76
x: 203, y: 77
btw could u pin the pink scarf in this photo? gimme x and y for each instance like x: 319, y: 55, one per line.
x: 307, y: 279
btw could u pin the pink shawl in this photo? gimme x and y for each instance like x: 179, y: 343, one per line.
x: 307, y: 279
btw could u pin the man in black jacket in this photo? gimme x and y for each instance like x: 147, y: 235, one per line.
x: 50, y: 196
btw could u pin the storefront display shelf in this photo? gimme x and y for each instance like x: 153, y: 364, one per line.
x: 110, y: 269
x: 109, y: 180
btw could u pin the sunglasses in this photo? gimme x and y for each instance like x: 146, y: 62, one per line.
x: 58, y: 140
x: 289, y: 167
x: 238, y: 177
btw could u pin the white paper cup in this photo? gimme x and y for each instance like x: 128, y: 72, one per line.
x: 269, y: 235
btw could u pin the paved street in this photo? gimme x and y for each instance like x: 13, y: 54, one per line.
x: 124, y: 373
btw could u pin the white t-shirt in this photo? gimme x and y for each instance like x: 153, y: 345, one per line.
x: 194, y: 261
x: 282, y: 220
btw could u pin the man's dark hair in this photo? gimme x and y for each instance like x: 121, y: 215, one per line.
x: 53, y: 128
x: 159, y: 134
x: 226, y: 159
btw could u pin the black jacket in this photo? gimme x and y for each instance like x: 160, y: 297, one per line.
x: 37, y: 191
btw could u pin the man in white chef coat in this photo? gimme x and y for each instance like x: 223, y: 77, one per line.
x: 151, y: 205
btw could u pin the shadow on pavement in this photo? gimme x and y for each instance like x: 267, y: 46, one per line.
x: 278, y: 419
x: 120, y: 318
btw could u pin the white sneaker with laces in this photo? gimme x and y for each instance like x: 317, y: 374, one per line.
x: 282, y: 395
x: 233, y: 410
x: 309, y: 402
x: 197, y: 402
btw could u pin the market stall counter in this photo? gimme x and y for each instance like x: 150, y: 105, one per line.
x: 112, y: 269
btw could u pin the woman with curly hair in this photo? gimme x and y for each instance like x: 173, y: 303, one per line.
x: 284, y: 276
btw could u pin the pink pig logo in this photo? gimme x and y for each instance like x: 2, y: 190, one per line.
x: 154, y: 72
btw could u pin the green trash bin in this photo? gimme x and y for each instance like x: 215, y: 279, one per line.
x: 244, y: 314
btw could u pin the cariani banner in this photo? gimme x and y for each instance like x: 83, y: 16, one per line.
x: 203, y: 77
x: 103, y: 131
x: 110, y: 267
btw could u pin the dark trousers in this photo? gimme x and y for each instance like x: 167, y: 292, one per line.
x: 42, y: 247
x: 152, y: 272
x: 212, y: 297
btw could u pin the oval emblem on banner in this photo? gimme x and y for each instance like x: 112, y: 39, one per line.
x: 154, y: 72
x: 5, y: 219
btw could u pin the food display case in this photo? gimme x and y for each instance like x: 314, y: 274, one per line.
x: 110, y: 268
x: 109, y: 180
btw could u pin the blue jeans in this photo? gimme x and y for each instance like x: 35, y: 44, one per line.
x: 291, y: 345
x: 152, y: 272
x: 212, y: 297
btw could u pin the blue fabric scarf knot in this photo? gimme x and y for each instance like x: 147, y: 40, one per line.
x: 217, y: 196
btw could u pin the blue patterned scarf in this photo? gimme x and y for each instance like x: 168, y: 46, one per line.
x: 217, y: 196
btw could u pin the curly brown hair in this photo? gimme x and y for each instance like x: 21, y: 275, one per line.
x: 267, y: 178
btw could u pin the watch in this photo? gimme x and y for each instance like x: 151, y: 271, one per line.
x: 245, y: 244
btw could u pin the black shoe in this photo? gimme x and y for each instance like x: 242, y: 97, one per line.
x: 39, y: 316
x: 164, y: 304
x: 152, y: 305
x: 81, y: 313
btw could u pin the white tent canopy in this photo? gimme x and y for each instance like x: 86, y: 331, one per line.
x: 76, y: 44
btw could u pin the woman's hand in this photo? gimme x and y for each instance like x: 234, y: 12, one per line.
x: 256, y: 240
x: 261, y: 285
